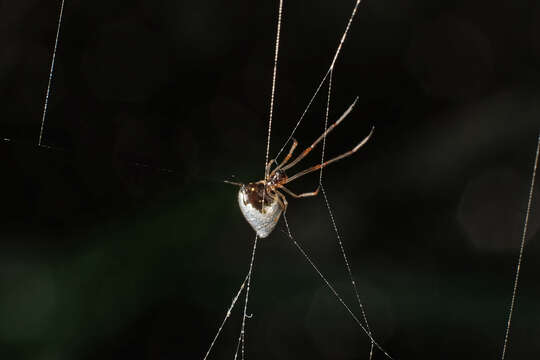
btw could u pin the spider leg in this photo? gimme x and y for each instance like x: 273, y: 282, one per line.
x: 319, y: 166
x: 289, y: 155
x: 282, y: 200
x: 313, y: 193
x: 232, y: 183
x: 312, y: 146
x: 267, y: 170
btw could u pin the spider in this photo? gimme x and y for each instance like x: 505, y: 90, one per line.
x: 262, y: 202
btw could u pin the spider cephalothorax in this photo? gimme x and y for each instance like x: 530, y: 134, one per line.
x: 262, y: 202
x: 278, y: 177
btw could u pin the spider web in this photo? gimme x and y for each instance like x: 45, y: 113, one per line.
x: 365, y: 324
x: 334, y: 225
x: 327, y: 77
x: 247, y: 281
x: 521, y: 251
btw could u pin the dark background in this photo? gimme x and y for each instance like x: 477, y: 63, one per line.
x: 121, y: 241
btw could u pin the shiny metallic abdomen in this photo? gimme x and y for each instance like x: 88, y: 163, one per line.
x: 262, y: 221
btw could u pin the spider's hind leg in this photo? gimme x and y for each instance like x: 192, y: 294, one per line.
x: 282, y: 200
x: 303, y: 195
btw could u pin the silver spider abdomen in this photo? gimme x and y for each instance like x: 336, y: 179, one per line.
x: 263, y: 218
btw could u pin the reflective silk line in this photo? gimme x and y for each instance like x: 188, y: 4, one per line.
x: 334, y: 59
x: 521, y: 248
x: 334, y: 225
x: 331, y: 288
x: 351, y: 278
x: 326, y: 122
x: 241, y: 337
x: 227, y: 315
x: 51, y: 71
x: 355, y: 9
x: 274, y: 75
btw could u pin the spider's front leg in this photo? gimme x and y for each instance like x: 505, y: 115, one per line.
x: 328, y: 162
x: 267, y: 170
x: 287, y: 158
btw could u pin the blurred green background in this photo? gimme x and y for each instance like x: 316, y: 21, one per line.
x: 121, y: 241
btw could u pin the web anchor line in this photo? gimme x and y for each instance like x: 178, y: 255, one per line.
x: 332, y: 64
x: 51, y: 71
x: 235, y: 299
x: 334, y: 225
x: 274, y: 76
x: 48, y: 94
x: 521, y: 248
x: 332, y: 289
x: 227, y: 315
x: 242, y: 336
